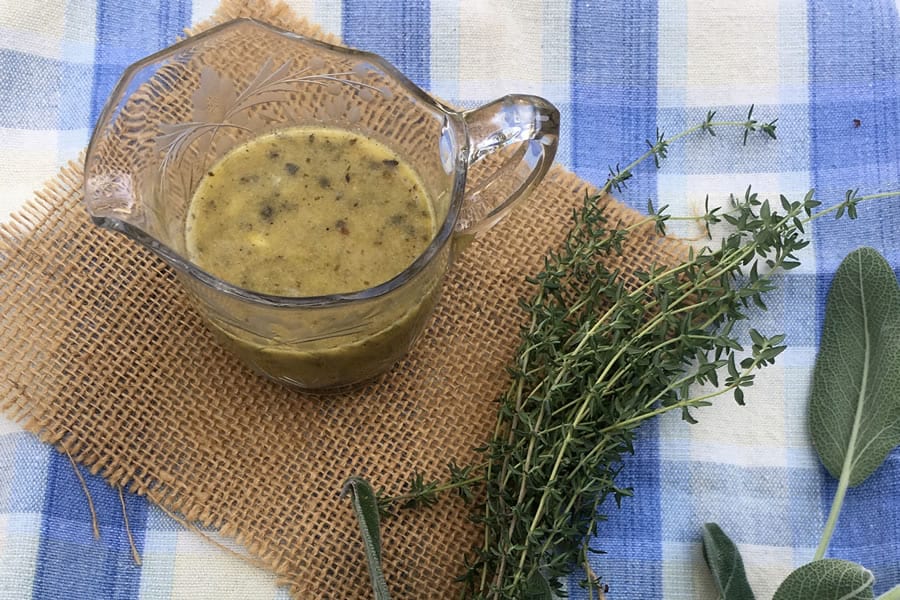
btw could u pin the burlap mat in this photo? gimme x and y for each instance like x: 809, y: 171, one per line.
x: 103, y: 357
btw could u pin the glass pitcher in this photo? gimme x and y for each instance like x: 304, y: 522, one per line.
x: 175, y: 114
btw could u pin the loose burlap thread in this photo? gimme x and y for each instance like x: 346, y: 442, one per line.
x: 104, y: 358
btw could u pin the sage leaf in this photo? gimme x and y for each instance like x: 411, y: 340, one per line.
x: 724, y: 561
x: 538, y: 588
x: 365, y: 506
x: 854, y: 410
x: 827, y: 579
x: 854, y: 407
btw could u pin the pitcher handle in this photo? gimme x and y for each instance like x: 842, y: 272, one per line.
x: 533, y: 124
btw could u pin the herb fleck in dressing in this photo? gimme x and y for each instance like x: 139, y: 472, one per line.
x: 309, y: 211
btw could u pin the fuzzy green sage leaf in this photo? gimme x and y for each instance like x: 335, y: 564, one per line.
x: 538, y: 588
x: 855, y: 403
x: 854, y: 411
x: 365, y: 506
x: 725, y: 562
x: 827, y: 579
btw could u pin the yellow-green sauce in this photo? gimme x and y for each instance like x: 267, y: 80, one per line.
x: 307, y: 212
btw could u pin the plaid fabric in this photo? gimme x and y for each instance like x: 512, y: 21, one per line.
x: 828, y: 70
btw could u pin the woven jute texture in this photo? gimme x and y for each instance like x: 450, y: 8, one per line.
x: 103, y: 357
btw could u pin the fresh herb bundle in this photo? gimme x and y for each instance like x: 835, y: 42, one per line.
x: 599, y: 356
x: 603, y: 351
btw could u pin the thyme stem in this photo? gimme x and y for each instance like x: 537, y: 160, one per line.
x: 600, y: 355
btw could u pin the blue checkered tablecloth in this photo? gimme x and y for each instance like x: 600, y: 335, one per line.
x: 828, y: 70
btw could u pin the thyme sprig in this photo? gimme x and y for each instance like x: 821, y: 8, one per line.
x: 658, y: 150
x: 603, y: 352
